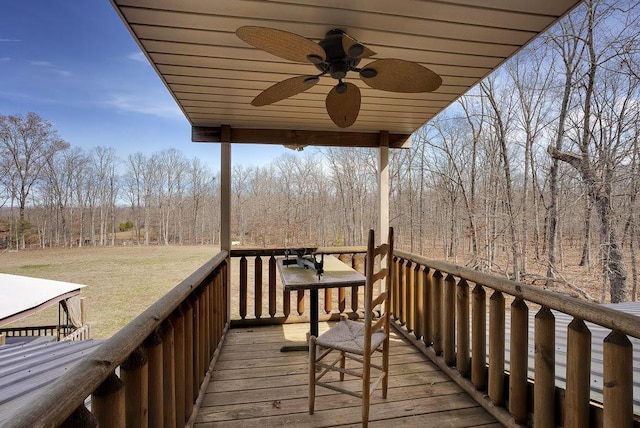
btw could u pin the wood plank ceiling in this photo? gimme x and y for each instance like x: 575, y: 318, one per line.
x: 213, y: 75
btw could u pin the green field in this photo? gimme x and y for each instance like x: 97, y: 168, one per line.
x: 121, y: 282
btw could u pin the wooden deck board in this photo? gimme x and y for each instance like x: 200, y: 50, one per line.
x: 254, y: 384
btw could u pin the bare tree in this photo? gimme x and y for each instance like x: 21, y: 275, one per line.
x: 27, y: 143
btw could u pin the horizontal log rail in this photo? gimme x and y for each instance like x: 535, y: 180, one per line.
x: 163, y: 357
x: 40, y: 330
x: 443, y: 308
x: 271, y: 304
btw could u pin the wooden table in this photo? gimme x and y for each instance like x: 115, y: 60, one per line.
x: 336, y: 274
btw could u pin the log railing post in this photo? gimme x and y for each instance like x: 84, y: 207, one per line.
x: 328, y: 296
x: 396, y: 295
x: 107, y: 403
x: 243, y: 287
x: 272, y: 286
x: 342, y: 302
x: 617, y: 381
x: 355, y: 264
x: 576, y: 401
x: 258, y: 287
x: 402, y: 292
x: 427, y: 323
x: 418, y: 301
x: 153, y: 350
x: 436, y: 310
x: 81, y: 417
x: 449, y: 321
x: 300, y: 301
x: 518, y: 361
x: 496, y: 348
x: 479, y: 338
x: 168, y: 379
x: 409, y: 295
x: 462, y: 317
x: 544, y: 360
x: 189, y: 358
x: 136, y: 383
x: 179, y: 376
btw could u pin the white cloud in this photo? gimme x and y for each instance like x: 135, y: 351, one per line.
x: 137, y: 56
x: 41, y: 63
x: 4, y: 58
x: 9, y: 40
x: 128, y: 103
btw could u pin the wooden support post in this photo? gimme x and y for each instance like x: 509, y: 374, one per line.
x: 134, y: 372
x: 545, y: 373
x: 449, y: 321
x: 427, y: 327
x: 342, y: 302
x: 169, y: 380
x: 107, y: 403
x: 402, y: 292
x: 496, y: 348
x: 462, y: 317
x: 576, y: 401
x: 272, y: 286
x: 153, y: 350
x: 257, y: 296
x: 179, y: 340
x: 519, y: 357
x: 618, y: 381
x: 225, y: 202
x: 437, y: 286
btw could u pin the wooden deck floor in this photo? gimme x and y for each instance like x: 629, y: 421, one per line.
x: 256, y: 385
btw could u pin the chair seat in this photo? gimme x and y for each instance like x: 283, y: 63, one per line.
x: 348, y: 336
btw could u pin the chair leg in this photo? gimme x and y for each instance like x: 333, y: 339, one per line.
x: 312, y: 373
x: 342, y: 364
x: 385, y: 367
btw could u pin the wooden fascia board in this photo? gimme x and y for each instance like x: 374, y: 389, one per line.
x: 287, y: 137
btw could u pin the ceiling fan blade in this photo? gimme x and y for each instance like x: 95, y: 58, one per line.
x: 343, y: 108
x: 285, y: 89
x: 397, y: 75
x: 282, y: 44
x: 355, y: 49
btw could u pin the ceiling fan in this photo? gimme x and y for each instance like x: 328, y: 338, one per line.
x: 335, y: 55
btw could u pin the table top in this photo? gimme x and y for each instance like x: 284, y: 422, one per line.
x: 336, y: 274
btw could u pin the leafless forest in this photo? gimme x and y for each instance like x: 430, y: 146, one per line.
x: 541, y: 157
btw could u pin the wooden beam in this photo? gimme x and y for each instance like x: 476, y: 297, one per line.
x: 202, y: 134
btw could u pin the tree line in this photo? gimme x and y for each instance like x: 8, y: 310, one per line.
x: 542, y: 156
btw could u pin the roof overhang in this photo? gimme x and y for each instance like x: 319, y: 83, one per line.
x: 213, y: 75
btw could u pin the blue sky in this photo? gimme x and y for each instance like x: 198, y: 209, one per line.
x: 74, y: 63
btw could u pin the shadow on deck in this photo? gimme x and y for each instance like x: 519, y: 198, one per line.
x: 254, y: 384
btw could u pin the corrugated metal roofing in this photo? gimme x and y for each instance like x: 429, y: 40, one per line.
x: 25, y: 368
x: 598, y: 335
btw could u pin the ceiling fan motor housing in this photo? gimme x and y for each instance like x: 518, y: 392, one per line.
x: 337, y: 62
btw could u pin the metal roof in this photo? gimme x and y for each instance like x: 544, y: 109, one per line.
x: 21, y: 296
x: 598, y: 334
x: 25, y: 368
x: 213, y: 75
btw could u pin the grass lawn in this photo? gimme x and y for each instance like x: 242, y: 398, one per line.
x: 121, y: 282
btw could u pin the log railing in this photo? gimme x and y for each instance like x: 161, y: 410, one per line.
x: 261, y: 299
x: 150, y: 372
x: 443, y: 307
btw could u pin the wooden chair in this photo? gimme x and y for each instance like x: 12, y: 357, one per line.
x: 358, y: 341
